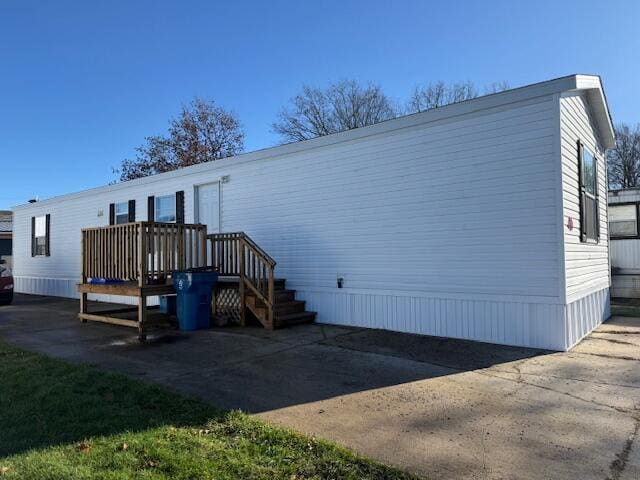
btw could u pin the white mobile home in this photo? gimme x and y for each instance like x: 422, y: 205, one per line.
x: 484, y: 220
x: 624, y: 215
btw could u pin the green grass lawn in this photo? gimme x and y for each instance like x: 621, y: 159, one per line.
x: 63, y: 421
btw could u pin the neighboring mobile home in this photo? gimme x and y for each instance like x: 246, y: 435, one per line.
x: 6, y: 235
x: 484, y: 220
x: 624, y: 233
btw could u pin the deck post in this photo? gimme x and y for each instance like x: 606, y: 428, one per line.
x: 271, y: 295
x: 83, y: 278
x: 83, y: 307
x: 202, y: 238
x: 142, y: 254
x: 243, y: 320
x: 142, y: 317
x: 142, y: 280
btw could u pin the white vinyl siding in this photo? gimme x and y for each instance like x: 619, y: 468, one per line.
x: 587, y: 263
x: 447, y: 222
x: 465, y: 207
x: 462, y: 208
x: 625, y: 255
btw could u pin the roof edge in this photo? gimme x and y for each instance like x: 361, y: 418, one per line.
x: 527, y: 92
x: 592, y: 84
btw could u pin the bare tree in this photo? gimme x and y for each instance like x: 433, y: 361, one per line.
x: 496, y: 87
x: 342, y: 106
x: 439, y: 94
x: 203, y: 132
x: 623, y: 161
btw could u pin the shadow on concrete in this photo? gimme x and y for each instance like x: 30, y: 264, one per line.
x: 248, y: 368
x: 46, y: 403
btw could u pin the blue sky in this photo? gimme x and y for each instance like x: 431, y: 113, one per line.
x: 83, y: 82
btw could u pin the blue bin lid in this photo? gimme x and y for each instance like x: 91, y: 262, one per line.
x: 192, y: 277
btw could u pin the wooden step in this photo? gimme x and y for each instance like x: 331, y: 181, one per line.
x: 278, y: 283
x: 281, y: 296
x: 294, y: 319
x: 285, y: 308
x: 280, y: 308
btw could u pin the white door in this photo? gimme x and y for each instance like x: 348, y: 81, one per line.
x: 208, y: 206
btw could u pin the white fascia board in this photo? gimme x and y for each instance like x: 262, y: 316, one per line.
x: 592, y: 84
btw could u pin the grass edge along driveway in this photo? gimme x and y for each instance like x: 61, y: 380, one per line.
x: 61, y: 421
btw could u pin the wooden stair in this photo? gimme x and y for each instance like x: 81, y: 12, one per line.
x: 287, y: 310
x: 236, y: 255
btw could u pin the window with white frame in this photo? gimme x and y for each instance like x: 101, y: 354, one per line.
x: 122, y: 213
x: 623, y: 220
x: 166, y: 208
x: 589, y: 211
x: 40, y: 236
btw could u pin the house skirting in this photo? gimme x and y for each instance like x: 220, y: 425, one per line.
x: 585, y: 314
x: 537, y: 325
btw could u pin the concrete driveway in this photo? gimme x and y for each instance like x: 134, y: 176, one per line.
x: 437, y: 407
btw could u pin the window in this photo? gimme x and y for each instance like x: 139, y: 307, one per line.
x: 166, y: 208
x: 122, y: 213
x: 40, y: 236
x: 623, y: 220
x: 588, y: 171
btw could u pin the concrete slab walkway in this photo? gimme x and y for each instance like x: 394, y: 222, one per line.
x: 437, y: 407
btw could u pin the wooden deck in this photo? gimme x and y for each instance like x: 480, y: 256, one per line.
x: 114, y: 316
x: 143, y: 255
x: 128, y: 289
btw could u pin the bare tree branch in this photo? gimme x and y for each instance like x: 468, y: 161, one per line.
x: 342, y: 106
x: 439, y: 94
x: 496, y: 87
x: 623, y: 161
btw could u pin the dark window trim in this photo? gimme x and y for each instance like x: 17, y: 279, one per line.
x: 582, y: 193
x: 180, y: 206
x: 33, y: 236
x: 627, y: 237
x: 47, y: 236
x: 151, y: 208
x: 132, y: 211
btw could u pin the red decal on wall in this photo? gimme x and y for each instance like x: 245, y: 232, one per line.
x: 570, y: 223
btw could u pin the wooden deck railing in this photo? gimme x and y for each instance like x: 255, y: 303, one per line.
x: 236, y: 254
x: 144, y: 252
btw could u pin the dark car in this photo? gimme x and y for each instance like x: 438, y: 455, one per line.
x: 6, y: 284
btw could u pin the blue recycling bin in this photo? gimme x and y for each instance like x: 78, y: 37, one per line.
x: 193, y: 302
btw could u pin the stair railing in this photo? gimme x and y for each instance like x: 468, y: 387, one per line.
x: 236, y: 254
